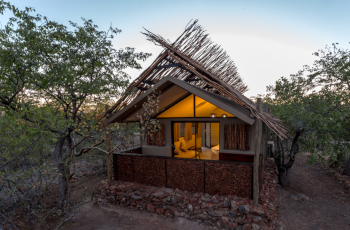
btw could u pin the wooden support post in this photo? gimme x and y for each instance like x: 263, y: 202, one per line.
x: 257, y: 155
x: 108, y: 143
x: 264, y: 139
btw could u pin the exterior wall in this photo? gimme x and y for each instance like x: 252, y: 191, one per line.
x: 156, y: 151
x: 226, y: 121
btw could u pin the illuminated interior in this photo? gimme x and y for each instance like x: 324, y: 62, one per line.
x: 196, y: 140
x: 206, y: 109
x: 184, y: 108
x: 194, y: 106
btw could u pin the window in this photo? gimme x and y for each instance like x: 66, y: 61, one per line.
x: 194, y: 106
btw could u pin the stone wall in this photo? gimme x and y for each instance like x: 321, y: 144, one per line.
x: 224, y: 212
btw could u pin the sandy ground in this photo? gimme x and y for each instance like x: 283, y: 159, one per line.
x: 121, y: 218
x: 326, y: 205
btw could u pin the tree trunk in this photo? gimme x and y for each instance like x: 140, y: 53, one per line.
x: 62, y: 172
x: 283, y: 177
x: 347, y: 168
x: 284, y: 169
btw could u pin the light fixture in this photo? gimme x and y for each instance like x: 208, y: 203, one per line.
x: 213, y: 114
x: 224, y: 115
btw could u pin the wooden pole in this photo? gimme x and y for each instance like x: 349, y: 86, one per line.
x: 257, y: 155
x: 264, y: 138
x: 108, y: 143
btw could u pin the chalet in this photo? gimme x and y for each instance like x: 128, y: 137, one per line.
x: 209, y: 131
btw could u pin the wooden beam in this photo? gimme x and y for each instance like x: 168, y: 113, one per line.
x: 168, y: 66
x: 257, y: 155
x: 192, y: 77
x: 109, y: 156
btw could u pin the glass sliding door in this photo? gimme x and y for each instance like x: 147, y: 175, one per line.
x: 196, y: 140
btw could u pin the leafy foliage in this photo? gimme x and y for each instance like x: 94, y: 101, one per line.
x: 54, y: 80
x: 318, y: 104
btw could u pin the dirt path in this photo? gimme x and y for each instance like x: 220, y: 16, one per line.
x: 120, y: 218
x: 314, y: 200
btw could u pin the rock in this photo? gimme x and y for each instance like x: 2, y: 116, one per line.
x: 136, y: 197
x: 247, y: 227
x: 150, y: 207
x: 232, y: 214
x: 137, y: 193
x: 227, y: 203
x: 294, y: 198
x: 240, y: 220
x: 169, y: 190
x: 173, y: 199
x: 213, y: 213
x: 169, y: 213
x: 111, y: 199
x: 176, y: 213
x: 159, y: 210
x: 157, y: 194
x: 215, y: 199
x: 198, y: 211
x: 256, y: 227
x: 233, y: 225
x: 257, y: 212
x: 190, y: 207
x: 234, y: 205
x: 243, y: 209
x: 225, y: 219
x: 302, y: 197
x: 256, y: 219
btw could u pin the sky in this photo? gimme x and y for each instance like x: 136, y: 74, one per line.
x: 265, y: 39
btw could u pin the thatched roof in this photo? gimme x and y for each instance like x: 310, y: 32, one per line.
x: 195, y: 59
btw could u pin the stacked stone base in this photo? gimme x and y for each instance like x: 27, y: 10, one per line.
x: 224, y: 212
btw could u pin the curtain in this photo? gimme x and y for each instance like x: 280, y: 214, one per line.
x: 176, y: 131
x: 188, y: 131
x: 199, y: 131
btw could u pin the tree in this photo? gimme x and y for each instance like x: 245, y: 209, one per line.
x: 316, y: 108
x: 48, y: 73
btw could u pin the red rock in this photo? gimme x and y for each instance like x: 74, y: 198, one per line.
x: 233, y: 225
x: 150, y: 207
x: 159, y: 210
x: 247, y: 227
